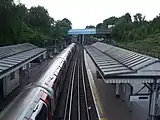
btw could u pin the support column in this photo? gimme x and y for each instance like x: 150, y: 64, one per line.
x: 124, y: 92
x: 117, y: 90
x: 55, y: 47
x: 28, y: 70
x: 77, y: 38
x: 153, y: 100
x: 82, y: 39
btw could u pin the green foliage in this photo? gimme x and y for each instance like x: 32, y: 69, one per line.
x: 38, y: 17
x: 19, y: 24
x: 99, y: 25
x: 139, y: 18
x: 109, y: 21
x: 126, y: 30
x: 151, y: 44
x: 139, y: 33
x: 90, y: 27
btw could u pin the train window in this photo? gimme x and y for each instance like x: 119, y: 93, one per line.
x: 42, y: 115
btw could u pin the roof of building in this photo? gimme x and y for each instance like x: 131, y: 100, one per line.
x: 15, y: 49
x: 117, y: 64
x: 16, y: 55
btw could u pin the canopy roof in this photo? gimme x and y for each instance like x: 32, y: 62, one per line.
x: 15, y: 56
x: 119, y: 65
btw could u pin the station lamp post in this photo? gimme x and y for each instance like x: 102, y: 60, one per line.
x: 44, y: 43
x: 55, y: 45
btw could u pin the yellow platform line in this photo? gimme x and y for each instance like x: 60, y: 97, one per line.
x: 94, y: 91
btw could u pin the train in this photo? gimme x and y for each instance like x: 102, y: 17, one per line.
x: 39, y: 99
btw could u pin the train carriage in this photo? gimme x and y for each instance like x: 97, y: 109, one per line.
x: 27, y: 106
x: 35, y: 102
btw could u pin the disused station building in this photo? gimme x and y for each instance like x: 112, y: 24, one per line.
x: 14, y: 60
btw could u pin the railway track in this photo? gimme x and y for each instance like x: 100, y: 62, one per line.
x: 77, y: 97
x: 77, y: 103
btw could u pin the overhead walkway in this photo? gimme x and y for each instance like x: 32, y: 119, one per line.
x: 92, y: 31
x: 84, y: 35
x: 121, y: 66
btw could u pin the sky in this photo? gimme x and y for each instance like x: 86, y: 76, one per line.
x: 91, y: 12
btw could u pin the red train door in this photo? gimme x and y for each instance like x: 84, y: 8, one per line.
x: 46, y: 99
x: 40, y: 112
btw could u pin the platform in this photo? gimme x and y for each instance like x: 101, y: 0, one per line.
x: 109, y: 107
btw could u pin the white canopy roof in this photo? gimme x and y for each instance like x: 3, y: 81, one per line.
x: 123, y: 66
x: 15, y: 56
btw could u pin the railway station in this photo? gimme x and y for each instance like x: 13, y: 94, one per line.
x: 133, y: 78
x: 79, y: 60
x: 85, y: 81
x: 132, y: 75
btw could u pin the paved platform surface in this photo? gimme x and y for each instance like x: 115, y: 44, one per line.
x: 113, y: 108
x: 35, y: 72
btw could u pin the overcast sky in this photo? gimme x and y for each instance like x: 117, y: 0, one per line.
x: 91, y: 12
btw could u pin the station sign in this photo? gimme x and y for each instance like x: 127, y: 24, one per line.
x: 139, y: 98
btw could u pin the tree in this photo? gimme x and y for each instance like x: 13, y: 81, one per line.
x: 127, y: 17
x: 19, y: 24
x: 90, y: 27
x: 99, y: 25
x: 109, y: 21
x: 68, y: 22
x: 138, y: 18
x: 11, y: 21
x: 39, y: 18
x: 61, y: 29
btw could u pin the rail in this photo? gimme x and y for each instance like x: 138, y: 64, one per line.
x: 76, y: 106
x: 69, y: 90
x: 85, y: 93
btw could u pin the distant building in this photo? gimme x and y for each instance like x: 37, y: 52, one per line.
x: 15, y: 59
x: 85, y: 35
x: 110, y: 26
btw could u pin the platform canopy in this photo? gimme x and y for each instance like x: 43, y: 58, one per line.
x: 88, y: 31
x: 119, y: 65
x: 16, y: 56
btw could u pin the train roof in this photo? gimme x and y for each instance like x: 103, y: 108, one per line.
x: 25, y: 103
x: 55, y: 66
